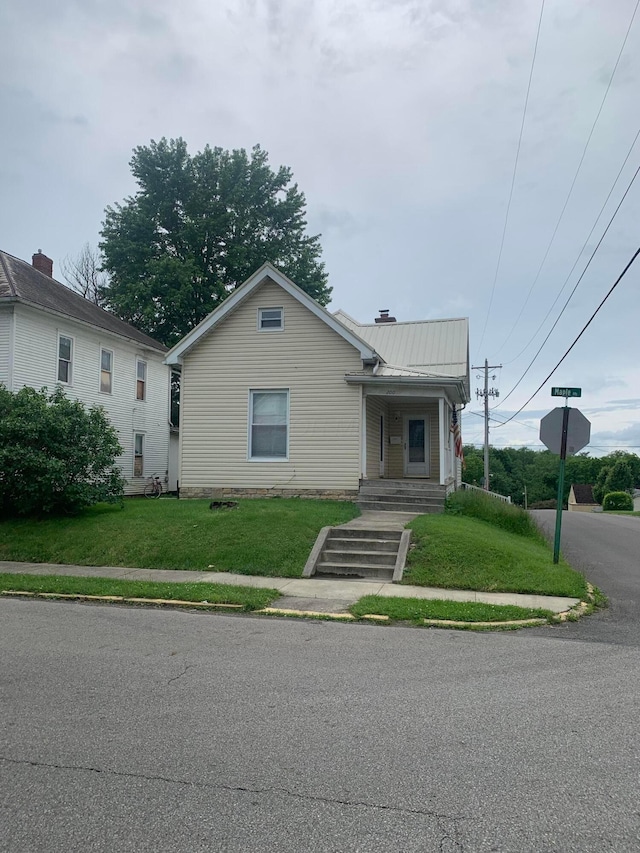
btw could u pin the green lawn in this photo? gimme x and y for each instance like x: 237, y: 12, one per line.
x: 417, y: 609
x: 270, y: 537
x: 467, y: 553
x: 213, y: 593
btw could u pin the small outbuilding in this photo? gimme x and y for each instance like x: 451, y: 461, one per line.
x: 581, y: 498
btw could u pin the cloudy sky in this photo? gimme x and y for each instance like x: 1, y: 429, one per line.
x: 400, y: 120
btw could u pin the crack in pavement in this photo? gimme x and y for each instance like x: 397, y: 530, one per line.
x: 239, y: 789
x: 184, y: 672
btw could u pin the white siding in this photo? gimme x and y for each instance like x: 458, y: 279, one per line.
x: 36, y: 363
x: 308, y: 359
x: 6, y: 323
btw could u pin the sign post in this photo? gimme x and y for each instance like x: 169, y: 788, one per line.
x: 564, y: 430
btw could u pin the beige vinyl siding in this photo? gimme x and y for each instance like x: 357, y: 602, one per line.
x: 376, y: 407
x: 397, y: 411
x: 36, y: 364
x: 306, y: 358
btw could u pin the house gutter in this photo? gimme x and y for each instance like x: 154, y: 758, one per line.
x: 412, y: 381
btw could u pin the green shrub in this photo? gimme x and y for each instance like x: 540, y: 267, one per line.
x: 56, y: 456
x: 499, y: 513
x: 552, y: 503
x: 618, y: 501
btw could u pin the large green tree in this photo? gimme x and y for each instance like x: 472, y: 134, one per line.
x: 197, y: 227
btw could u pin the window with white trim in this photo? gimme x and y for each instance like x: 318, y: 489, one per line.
x: 270, y: 319
x: 141, y: 379
x: 65, y: 359
x: 138, y: 454
x: 106, y: 371
x: 269, y: 425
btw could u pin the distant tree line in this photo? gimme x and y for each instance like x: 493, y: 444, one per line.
x: 512, y: 469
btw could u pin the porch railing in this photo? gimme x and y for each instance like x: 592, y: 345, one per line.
x: 505, y: 498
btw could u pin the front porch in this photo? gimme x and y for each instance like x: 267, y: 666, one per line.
x: 406, y: 438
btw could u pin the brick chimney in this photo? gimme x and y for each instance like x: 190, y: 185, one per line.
x: 384, y: 317
x: 42, y: 263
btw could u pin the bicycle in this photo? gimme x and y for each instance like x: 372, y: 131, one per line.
x: 153, y: 487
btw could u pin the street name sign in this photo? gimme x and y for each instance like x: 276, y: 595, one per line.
x: 578, y: 431
x: 566, y: 392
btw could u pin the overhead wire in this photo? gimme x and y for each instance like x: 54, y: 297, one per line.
x: 577, y: 338
x: 573, y: 183
x: 513, y: 176
x: 580, y: 253
x: 575, y: 287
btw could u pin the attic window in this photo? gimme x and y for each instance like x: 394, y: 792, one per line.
x: 270, y: 319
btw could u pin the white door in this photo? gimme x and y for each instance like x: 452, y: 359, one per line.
x: 416, y: 446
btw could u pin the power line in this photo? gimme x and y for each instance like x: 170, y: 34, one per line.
x: 584, y: 246
x: 573, y: 182
x: 575, y: 287
x: 513, y: 176
x: 582, y: 331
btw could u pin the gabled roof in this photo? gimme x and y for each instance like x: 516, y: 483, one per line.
x: 433, y: 348
x: 583, y: 493
x: 21, y: 282
x: 268, y: 272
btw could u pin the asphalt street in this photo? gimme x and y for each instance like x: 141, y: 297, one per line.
x: 606, y: 549
x: 150, y: 730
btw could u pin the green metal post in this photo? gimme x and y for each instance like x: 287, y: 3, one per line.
x: 563, y: 456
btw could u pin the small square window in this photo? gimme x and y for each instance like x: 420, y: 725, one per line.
x: 270, y: 319
x: 65, y: 359
x: 141, y: 380
x: 106, y: 371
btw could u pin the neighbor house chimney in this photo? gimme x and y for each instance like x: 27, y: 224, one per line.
x: 42, y: 263
x: 384, y: 317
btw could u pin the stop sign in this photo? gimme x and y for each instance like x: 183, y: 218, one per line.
x: 578, y: 431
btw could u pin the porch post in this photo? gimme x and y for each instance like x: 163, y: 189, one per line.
x: 363, y: 434
x: 443, y: 463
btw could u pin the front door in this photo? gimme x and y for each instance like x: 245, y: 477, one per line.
x: 416, y: 446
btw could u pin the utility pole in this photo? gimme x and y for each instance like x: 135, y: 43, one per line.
x: 486, y: 392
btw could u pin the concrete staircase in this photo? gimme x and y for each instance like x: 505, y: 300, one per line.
x: 359, y: 554
x: 419, y: 496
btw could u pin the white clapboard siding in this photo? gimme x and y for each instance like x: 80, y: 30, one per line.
x: 6, y: 325
x: 308, y: 359
x: 36, y: 362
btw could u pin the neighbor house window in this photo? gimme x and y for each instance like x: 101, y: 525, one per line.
x: 138, y: 454
x: 269, y: 425
x: 141, y: 380
x: 270, y: 319
x: 65, y: 358
x: 106, y: 370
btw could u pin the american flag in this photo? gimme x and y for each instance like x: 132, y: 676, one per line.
x: 457, y: 439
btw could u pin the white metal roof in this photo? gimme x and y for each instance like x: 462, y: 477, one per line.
x: 430, y: 347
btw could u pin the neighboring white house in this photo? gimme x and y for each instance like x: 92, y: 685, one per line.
x: 51, y: 336
x: 279, y: 396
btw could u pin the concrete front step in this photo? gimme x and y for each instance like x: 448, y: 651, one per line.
x: 360, y: 554
x: 354, y: 571
x: 383, y: 497
x: 378, y: 558
x: 419, y: 508
x: 362, y: 544
x: 404, y: 485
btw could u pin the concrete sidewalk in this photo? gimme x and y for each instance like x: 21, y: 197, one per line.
x: 345, y: 592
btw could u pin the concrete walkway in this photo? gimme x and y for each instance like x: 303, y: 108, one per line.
x: 345, y: 592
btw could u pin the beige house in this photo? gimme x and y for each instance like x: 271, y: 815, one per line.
x: 280, y: 396
x: 581, y: 498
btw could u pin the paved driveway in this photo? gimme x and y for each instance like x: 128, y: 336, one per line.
x: 606, y: 548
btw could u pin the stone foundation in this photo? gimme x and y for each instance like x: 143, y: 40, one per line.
x: 211, y: 493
